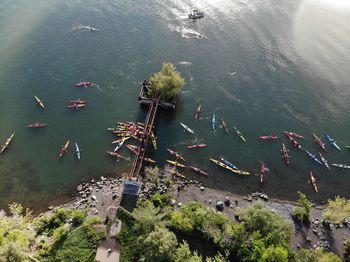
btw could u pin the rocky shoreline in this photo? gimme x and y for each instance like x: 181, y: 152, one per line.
x: 97, y: 195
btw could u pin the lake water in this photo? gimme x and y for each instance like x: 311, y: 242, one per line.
x: 263, y: 66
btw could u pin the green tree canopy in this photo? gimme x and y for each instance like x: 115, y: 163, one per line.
x: 257, y: 218
x: 317, y: 255
x: 168, y: 82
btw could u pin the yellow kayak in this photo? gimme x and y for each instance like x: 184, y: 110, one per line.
x: 239, y: 172
x: 8, y: 141
x: 121, y: 139
x: 175, y: 163
x: 154, y: 140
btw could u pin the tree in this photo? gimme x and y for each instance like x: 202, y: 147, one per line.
x: 16, y: 233
x: 168, y: 82
x: 184, y: 254
x: 257, y: 218
x: 158, y: 245
x: 303, y: 213
x: 147, y: 217
x: 337, y: 210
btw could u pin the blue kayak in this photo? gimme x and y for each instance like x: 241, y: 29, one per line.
x: 77, y: 150
x: 332, y: 141
x: 213, y: 122
x: 228, y: 163
x: 313, y: 157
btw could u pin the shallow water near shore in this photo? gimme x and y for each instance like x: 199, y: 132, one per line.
x: 263, y: 66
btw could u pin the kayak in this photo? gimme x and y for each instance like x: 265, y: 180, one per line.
x: 319, y: 142
x: 226, y: 162
x: 133, y: 149
x: 341, y: 166
x: 239, y: 134
x: 223, y: 125
x: 175, y: 173
x: 294, y: 142
x: 268, y: 137
x: 187, y: 128
x: 239, y: 172
x: 154, y: 141
x: 175, y: 163
x: 348, y: 147
x: 292, y: 134
x: 39, y: 102
x: 332, y: 141
x: 83, y: 84
x: 198, y: 112
x: 64, y: 149
x: 120, y: 144
x: 213, y: 122
x: 262, y: 172
x: 37, y: 125
x: 149, y: 160
x: 121, y: 139
x: 76, y: 106
x: 77, y: 101
x: 199, y: 171
x: 114, y: 154
x: 285, y: 154
x: 313, y: 157
x: 8, y: 141
x: 313, y: 182
x: 324, y: 160
x: 77, y: 150
x: 175, y: 154
x: 198, y: 146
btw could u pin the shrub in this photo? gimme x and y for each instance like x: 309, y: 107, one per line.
x: 317, y: 255
x: 337, y: 210
x: 160, y: 200
x: 347, y: 248
x: 189, y: 217
x: 303, y: 213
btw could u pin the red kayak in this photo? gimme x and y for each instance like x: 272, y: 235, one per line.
x: 199, y: 171
x: 198, y: 146
x: 294, y: 142
x: 268, y: 137
x: 76, y: 106
x: 262, y: 172
x: 83, y: 84
x: 223, y: 125
x: 77, y: 101
x: 36, y: 125
x: 133, y: 149
x: 292, y: 134
x: 64, y: 149
x: 114, y: 154
x: 198, y: 112
x: 175, y: 154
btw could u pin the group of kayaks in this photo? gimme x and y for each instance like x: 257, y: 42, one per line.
x: 321, y: 160
x: 64, y: 150
x: 128, y: 130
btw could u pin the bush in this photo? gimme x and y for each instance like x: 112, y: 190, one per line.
x: 159, y: 200
x: 337, y: 210
x: 347, y: 248
x: 317, y: 255
x: 184, y: 254
x: 80, y: 245
x: 189, y: 217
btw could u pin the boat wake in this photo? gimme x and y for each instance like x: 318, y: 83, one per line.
x: 84, y: 27
x: 186, y: 32
x: 184, y: 63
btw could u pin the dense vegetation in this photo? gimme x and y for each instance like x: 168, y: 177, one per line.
x: 168, y: 82
x: 261, y: 234
x: 65, y: 235
x: 338, y: 210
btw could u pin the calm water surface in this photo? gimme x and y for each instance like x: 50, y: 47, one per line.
x: 264, y: 66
